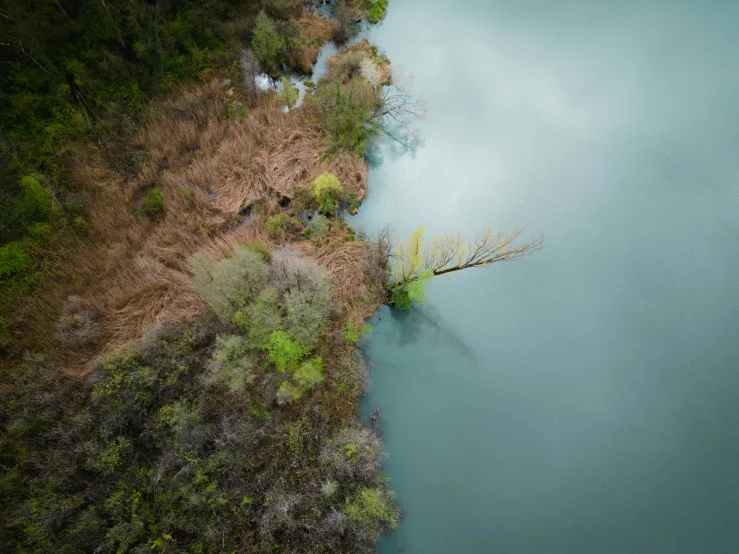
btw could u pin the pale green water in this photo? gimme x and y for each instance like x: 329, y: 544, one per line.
x: 584, y: 400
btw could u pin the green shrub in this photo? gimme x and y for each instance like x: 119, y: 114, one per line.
x: 288, y: 94
x: 238, y: 113
x: 261, y: 249
x: 310, y: 373
x: 347, y: 114
x: 279, y: 226
x: 109, y: 458
x: 38, y: 202
x: 372, y: 511
x: 401, y: 299
x: 284, y: 351
x: 320, y: 226
x: 352, y: 334
x: 329, y: 193
x: 14, y: 259
x: 375, y: 10
x: 154, y: 201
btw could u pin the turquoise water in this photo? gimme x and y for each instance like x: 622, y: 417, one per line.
x: 585, y: 399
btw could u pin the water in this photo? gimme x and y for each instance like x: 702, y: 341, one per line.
x: 585, y: 399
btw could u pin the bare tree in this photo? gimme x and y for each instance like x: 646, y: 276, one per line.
x: 250, y: 71
x: 452, y: 253
x: 397, y: 108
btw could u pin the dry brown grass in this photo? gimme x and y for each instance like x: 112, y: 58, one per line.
x: 317, y: 30
x: 134, y: 271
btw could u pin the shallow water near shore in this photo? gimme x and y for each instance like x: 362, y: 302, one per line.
x: 585, y: 399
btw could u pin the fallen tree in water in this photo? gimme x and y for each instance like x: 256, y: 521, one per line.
x: 412, y: 265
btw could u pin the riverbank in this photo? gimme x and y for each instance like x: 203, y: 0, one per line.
x: 186, y: 375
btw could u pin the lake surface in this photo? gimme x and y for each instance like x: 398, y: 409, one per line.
x: 585, y: 399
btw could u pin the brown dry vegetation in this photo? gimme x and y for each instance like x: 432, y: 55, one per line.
x: 221, y: 177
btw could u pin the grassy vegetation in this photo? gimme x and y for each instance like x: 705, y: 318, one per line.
x: 185, y: 377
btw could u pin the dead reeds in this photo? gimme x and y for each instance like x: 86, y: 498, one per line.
x: 133, y: 269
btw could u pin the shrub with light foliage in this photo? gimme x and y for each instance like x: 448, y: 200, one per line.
x: 355, y: 452
x: 263, y: 316
x: 230, y: 284
x: 232, y: 364
x: 310, y: 373
x: 372, y: 511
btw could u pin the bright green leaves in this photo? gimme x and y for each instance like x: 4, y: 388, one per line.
x: 284, y: 351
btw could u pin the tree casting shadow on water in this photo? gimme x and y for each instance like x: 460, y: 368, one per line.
x: 410, y: 326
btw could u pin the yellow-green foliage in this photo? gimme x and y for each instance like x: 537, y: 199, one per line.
x: 372, y: 511
x: 310, y: 373
x: 352, y: 334
x: 288, y: 94
x: 408, y: 257
x: 329, y: 193
x: 38, y: 201
x: 280, y: 226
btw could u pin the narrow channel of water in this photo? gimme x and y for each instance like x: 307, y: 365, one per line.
x: 586, y: 399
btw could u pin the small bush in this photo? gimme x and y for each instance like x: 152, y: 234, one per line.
x: 280, y: 226
x: 310, y: 373
x: 238, y: 113
x: 261, y: 249
x: 14, y: 259
x: 288, y: 393
x: 401, y: 299
x: 154, y: 201
x: 329, y: 193
x: 288, y: 94
x: 38, y: 202
x: 352, y: 334
x: 372, y: 511
x: 320, y: 226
